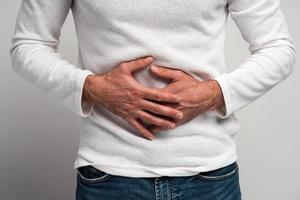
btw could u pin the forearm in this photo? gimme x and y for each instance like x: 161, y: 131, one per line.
x: 34, y: 53
x: 272, y: 58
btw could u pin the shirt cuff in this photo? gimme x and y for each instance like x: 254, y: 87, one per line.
x: 226, y: 110
x: 82, y: 107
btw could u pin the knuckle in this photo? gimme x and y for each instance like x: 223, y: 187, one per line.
x: 159, y: 122
x: 165, y: 124
x: 178, y: 73
x: 134, y: 94
x: 150, y: 119
x: 135, y: 105
x: 166, y: 110
x: 131, y: 113
x: 140, y: 115
x: 138, y: 62
x: 139, y: 92
x: 139, y: 105
x: 158, y: 110
x: 170, y: 110
x: 137, y: 114
x: 169, y: 125
x: 159, y: 97
x: 132, y: 97
x: 123, y: 66
x: 141, y: 89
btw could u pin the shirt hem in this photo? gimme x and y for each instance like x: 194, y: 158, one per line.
x: 144, y: 172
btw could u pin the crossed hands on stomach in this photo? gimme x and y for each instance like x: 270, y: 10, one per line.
x: 163, y: 108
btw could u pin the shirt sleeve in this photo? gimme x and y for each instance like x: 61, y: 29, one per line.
x: 34, y: 53
x: 272, y: 59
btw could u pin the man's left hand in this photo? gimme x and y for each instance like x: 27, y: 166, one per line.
x: 197, y: 96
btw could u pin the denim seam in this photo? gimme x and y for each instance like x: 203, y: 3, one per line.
x: 156, y: 189
x: 172, y: 188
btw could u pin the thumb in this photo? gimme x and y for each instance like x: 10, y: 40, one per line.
x: 164, y: 72
x: 140, y: 63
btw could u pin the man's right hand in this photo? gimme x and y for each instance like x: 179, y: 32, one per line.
x: 118, y: 92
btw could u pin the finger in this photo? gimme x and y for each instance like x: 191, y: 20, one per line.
x: 156, y: 129
x: 158, y: 95
x: 145, y: 132
x: 167, y: 73
x: 135, y: 65
x: 161, y: 109
x: 151, y: 119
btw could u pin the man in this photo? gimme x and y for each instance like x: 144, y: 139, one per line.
x: 157, y: 109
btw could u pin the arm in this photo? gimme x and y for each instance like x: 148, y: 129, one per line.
x: 263, y: 27
x: 34, y: 53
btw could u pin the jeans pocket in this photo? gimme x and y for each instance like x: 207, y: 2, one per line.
x: 91, y: 175
x: 219, y: 174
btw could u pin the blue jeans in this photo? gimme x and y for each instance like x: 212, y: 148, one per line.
x: 220, y: 184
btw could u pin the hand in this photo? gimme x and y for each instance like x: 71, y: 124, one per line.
x: 118, y: 92
x: 197, y: 96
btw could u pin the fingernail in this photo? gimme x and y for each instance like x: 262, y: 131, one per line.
x: 179, y: 115
x: 153, y: 67
x: 149, y: 59
x: 151, y: 137
x: 171, y: 126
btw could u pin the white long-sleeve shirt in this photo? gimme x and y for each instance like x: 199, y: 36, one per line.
x: 181, y: 34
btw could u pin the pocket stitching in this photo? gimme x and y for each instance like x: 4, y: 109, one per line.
x: 92, y: 180
x: 221, y: 177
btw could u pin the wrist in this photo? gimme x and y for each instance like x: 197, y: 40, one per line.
x: 218, y: 95
x: 87, y: 87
